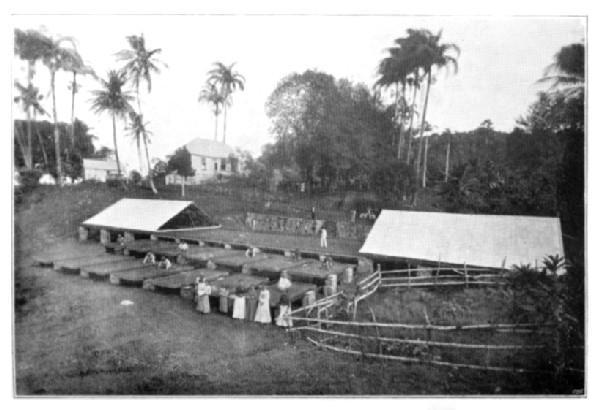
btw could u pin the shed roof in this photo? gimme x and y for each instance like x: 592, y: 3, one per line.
x: 494, y: 241
x: 149, y: 215
x: 209, y: 148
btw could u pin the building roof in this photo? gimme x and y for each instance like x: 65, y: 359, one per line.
x: 209, y: 148
x: 148, y: 215
x: 101, y: 164
x: 493, y: 241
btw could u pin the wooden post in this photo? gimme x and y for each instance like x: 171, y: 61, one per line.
x: 466, y: 276
x: 409, y: 275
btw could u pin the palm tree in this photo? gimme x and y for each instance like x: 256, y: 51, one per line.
x: 211, y: 95
x: 138, y: 130
x: 568, y: 68
x: 228, y: 81
x: 393, y: 71
x: 29, y: 97
x: 74, y: 63
x: 113, y: 99
x: 430, y: 54
x: 29, y: 46
x: 55, y: 57
x: 139, y: 66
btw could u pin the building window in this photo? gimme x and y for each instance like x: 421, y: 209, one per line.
x: 223, y: 164
x: 216, y: 165
x: 203, y: 164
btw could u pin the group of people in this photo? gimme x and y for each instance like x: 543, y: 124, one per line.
x: 259, y: 312
x: 150, y: 259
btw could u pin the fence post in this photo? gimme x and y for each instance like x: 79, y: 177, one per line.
x: 466, y: 276
x: 409, y: 275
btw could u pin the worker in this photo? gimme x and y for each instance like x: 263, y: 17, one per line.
x: 285, y: 309
x: 263, y: 310
x: 149, y: 259
x: 202, y: 296
x: 284, y: 281
x: 164, y: 263
x: 323, y: 238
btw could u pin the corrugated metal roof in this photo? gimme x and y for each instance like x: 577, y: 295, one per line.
x: 103, y: 164
x: 138, y: 214
x: 209, y: 148
x: 479, y: 240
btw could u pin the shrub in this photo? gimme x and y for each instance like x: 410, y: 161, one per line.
x: 30, y: 178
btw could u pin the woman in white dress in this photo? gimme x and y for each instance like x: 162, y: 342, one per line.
x: 263, y: 311
x: 202, y: 294
x: 239, y: 307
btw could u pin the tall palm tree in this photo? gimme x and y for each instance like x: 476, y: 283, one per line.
x: 413, y: 83
x: 138, y: 130
x: 75, y: 64
x: 393, y: 71
x: 140, y: 64
x: 30, y: 46
x: 430, y: 54
x: 55, y: 57
x: 114, y: 100
x: 210, y: 94
x: 228, y: 81
x: 29, y: 97
x: 568, y: 68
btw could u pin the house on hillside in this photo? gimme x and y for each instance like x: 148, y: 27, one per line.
x: 99, y: 169
x: 210, y: 159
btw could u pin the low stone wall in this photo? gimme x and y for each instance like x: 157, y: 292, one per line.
x: 302, y: 226
x: 275, y: 223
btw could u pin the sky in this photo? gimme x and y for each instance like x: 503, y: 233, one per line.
x: 501, y: 59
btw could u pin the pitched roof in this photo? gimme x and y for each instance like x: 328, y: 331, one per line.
x: 209, y: 148
x: 103, y: 164
x: 477, y: 240
x: 147, y: 215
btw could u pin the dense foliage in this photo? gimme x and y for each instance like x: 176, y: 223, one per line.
x: 43, y: 154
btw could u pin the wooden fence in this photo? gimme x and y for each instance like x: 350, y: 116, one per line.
x: 317, y: 322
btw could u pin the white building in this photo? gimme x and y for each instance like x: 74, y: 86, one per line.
x: 99, y: 169
x: 209, y: 159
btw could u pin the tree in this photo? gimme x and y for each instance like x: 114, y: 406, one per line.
x: 430, y: 54
x: 138, y: 130
x: 30, y: 46
x: 568, y: 69
x: 29, y: 98
x: 212, y: 95
x: 228, y: 81
x: 114, y: 100
x: 139, y: 66
x: 181, y: 162
x: 74, y: 63
x: 56, y: 57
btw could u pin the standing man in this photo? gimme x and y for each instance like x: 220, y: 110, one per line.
x: 323, y: 238
x: 313, y: 212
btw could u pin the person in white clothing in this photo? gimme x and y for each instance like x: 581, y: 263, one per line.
x: 263, y: 310
x: 284, y: 281
x: 239, y: 307
x: 202, y: 294
x: 323, y: 238
x: 149, y: 259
